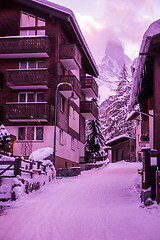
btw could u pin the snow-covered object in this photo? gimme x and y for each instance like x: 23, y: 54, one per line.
x: 41, y: 153
x: 3, y: 132
x: 138, y: 67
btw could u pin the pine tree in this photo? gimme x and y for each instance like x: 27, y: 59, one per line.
x: 114, y: 120
x: 95, y: 139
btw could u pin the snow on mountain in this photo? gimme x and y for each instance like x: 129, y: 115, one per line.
x: 110, y: 69
x: 114, y: 87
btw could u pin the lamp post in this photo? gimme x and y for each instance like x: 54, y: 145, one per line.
x: 55, y: 114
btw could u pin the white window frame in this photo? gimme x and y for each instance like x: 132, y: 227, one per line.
x: 26, y: 96
x: 35, y: 133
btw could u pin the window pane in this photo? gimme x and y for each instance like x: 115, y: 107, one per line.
x: 30, y: 133
x: 30, y: 97
x: 39, y: 133
x: 41, y: 32
x: 23, y: 65
x: 23, y: 33
x: 41, y: 23
x: 22, y: 97
x: 24, y: 20
x: 40, y: 64
x: 62, y: 104
x: 32, y: 21
x: 31, y: 64
x: 40, y: 97
x: 60, y: 136
x: 21, y: 133
x: 31, y: 32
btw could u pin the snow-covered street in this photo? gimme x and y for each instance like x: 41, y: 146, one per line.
x: 101, y: 204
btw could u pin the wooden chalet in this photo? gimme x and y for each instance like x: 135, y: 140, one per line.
x: 42, y: 45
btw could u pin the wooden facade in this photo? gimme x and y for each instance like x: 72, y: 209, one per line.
x: 33, y: 60
x: 122, y: 148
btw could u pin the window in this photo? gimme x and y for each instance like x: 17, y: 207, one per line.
x: 21, y: 133
x: 72, y: 143
x: 40, y: 64
x: 31, y: 65
x: 74, y: 114
x: 31, y: 25
x: 27, y: 20
x: 30, y: 97
x: 40, y: 97
x: 62, y: 107
x: 30, y: 133
x: 41, y: 32
x: 26, y: 97
x: 61, y: 137
x: 39, y: 133
x: 41, y: 22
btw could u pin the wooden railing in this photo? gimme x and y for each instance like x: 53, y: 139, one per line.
x: 27, y: 77
x: 30, y: 111
x: 18, y: 44
x: 89, y: 107
x: 7, y: 166
x: 17, y: 167
x: 72, y: 80
x: 89, y: 82
x: 70, y: 51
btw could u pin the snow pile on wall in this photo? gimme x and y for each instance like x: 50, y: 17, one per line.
x: 139, y: 63
x: 41, y: 153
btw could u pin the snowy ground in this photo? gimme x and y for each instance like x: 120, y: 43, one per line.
x: 101, y: 204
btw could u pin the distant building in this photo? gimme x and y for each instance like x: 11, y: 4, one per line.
x: 42, y: 45
x: 122, y: 148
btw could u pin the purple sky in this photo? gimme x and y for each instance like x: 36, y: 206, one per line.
x: 121, y: 20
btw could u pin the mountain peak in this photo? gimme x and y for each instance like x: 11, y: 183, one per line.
x: 111, y: 67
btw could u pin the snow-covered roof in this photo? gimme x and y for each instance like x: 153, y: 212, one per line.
x: 139, y: 64
x: 117, y: 139
x: 67, y: 15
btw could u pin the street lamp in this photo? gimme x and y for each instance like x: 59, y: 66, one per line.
x: 55, y: 114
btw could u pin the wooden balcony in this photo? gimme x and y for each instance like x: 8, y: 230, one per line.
x: 89, y: 87
x: 89, y: 110
x: 70, y: 56
x: 24, y: 79
x: 27, y: 112
x: 24, y: 47
x: 73, y: 81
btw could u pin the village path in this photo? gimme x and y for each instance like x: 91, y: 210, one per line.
x: 100, y: 204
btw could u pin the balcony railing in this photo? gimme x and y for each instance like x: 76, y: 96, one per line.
x: 22, y: 79
x: 73, y: 81
x: 70, y: 56
x: 18, y: 44
x: 89, y: 87
x: 89, y: 110
x: 27, y: 112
